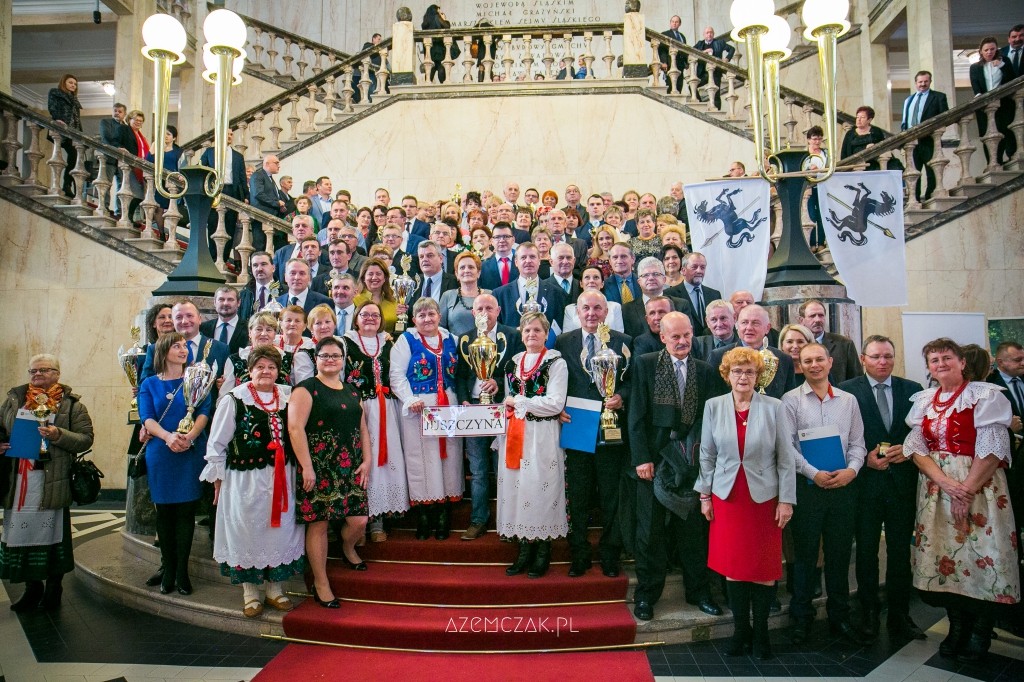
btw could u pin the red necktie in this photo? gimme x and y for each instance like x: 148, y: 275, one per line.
x: 504, y: 271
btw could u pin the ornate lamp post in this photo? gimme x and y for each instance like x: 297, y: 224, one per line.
x: 200, y: 186
x: 767, y: 37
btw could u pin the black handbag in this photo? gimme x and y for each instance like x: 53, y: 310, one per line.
x: 85, y: 480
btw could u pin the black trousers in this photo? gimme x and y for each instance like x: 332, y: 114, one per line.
x: 585, y: 475
x: 825, y: 517
x: 68, y: 185
x: 176, y: 525
x: 656, y: 528
x: 890, y: 505
x: 923, y: 153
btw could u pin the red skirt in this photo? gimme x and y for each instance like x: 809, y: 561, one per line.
x: 745, y: 543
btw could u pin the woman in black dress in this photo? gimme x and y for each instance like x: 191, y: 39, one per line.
x: 329, y: 435
x: 435, y: 20
x: 65, y: 108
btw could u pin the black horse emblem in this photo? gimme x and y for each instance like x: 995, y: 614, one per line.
x: 854, y: 226
x: 738, y: 229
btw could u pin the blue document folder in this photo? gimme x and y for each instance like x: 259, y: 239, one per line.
x: 581, y: 433
x: 822, y: 448
x: 25, y: 438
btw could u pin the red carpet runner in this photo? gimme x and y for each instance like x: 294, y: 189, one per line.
x: 461, y: 607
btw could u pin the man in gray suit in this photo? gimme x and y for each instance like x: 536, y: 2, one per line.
x: 754, y: 325
x: 721, y: 327
x: 845, y: 359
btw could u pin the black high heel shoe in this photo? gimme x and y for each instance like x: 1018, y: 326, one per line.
x: 333, y: 604
x: 184, y: 585
x: 361, y: 566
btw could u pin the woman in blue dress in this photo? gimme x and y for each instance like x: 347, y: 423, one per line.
x: 173, y: 460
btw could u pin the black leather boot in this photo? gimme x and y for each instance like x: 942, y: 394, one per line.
x: 541, y: 560
x: 31, y: 598
x: 738, y: 594
x: 422, y: 522
x: 978, y: 641
x: 526, y: 552
x: 761, y: 598
x: 53, y: 592
x: 959, y: 632
x: 443, y: 528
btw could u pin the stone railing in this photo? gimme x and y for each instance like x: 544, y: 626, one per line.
x: 953, y: 185
x: 519, y: 53
x: 799, y: 112
x: 307, y: 108
x: 180, y: 10
x: 281, y: 54
x: 24, y: 143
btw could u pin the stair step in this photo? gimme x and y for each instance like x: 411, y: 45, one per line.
x: 74, y: 210
x: 102, y: 222
x: 942, y: 203
x: 29, y: 190
x: 147, y: 244
x: 997, y: 177
x: 970, y: 190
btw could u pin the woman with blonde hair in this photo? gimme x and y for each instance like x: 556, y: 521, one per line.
x: 599, y: 257
x: 374, y: 278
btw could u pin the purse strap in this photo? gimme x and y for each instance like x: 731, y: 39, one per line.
x: 142, y: 450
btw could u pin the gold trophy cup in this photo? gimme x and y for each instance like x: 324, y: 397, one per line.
x: 604, y: 370
x: 403, y: 286
x: 771, y: 367
x: 482, y: 355
x: 127, y: 359
x: 42, y: 413
x: 199, y: 378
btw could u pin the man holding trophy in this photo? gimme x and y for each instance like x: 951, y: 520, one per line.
x: 601, y: 463
x: 478, y: 379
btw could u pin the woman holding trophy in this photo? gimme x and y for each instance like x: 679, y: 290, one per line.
x: 175, y: 408
x: 531, y: 465
x: 250, y: 463
x: 373, y: 279
x: 367, y: 369
x: 423, y: 374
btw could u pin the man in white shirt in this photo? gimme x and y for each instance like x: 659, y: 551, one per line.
x: 322, y: 200
x: 228, y: 328
x: 563, y: 264
x: 296, y: 274
x: 595, y: 211
x: 343, y: 290
x: 253, y: 299
x: 825, y: 513
x: 511, y: 194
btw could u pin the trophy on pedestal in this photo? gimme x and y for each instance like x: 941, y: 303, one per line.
x: 197, y: 381
x: 604, y: 370
x: 403, y: 286
x: 128, y: 361
x: 482, y: 355
x: 771, y: 367
x: 531, y: 304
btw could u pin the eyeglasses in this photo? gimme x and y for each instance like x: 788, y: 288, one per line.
x: 330, y: 357
x: 649, y: 275
x: 369, y: 316
x: 743, y: 373
x: 876, y: 358
x: 41, y: 370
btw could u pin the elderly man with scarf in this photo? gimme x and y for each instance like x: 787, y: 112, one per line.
x: 669, y: 392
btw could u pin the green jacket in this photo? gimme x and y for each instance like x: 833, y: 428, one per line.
x: 76, y: 436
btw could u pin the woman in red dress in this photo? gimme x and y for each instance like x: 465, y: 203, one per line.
x: 747, y: 489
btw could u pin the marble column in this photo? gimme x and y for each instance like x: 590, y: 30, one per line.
x: 6, y: 28
x: 403, y: 54
x: 930, y: 44
x: 635, y: 63
x: 133, y: 73
x: 783, y: 303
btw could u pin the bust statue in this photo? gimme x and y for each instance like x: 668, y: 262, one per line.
x: 404, y: 14
x: 632, y: 6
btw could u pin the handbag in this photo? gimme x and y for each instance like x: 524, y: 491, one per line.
x: 137, y: 462
x: 85, y: 480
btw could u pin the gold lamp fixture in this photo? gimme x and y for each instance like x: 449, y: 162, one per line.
x: 767, y: 38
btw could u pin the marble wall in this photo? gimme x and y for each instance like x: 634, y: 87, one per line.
x: 602, y: 142
x: 72, y: 297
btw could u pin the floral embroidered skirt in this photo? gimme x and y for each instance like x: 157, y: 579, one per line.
x: 977, y: 558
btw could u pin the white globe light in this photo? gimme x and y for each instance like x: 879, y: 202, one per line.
x: 818, y: 13
x: 745, y: 13
x: 164, y: 32
x: 224, y: 27
x: 778, y: 36
x: 211, y: 62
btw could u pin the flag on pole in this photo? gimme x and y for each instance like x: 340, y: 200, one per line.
x: 730, y: 224
x: 863, y: 217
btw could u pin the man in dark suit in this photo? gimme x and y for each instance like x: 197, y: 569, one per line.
x: 573, y: 198
x: 719, y: 49
x: 468, y: 389
x: 391, y: 237
x: 338, y: 263
x: 500, y: 269
x: 257, y: 293
x: 229, y: 327
x: 302, y: 227
x: 604, y: 466
x: 514, y: 294
x: 650, y: 341
x: 886, y: 489
x: 720, y: 323
x: 651, y: 274
x: 664, y: 56
x: 441, y: 234
x: 413, y: 224
x: 409, y: 240
x: 434, y: 281
x: 666, y: 404
x: 622, y: 286
x: 265, y: 196
x: 923, y: 104
x: 845, y: 360
x: 563, y: 267
x: 557, y: 224
x: 187, y: 322
x: 296, y: 275
x: 1013, y: 52
x: 235, y: 186
x: 753, y: 328
x: 116, y: 133
x: 695, y: 291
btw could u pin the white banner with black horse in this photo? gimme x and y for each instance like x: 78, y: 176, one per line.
x: 730, y: 225
x: 863, y: 218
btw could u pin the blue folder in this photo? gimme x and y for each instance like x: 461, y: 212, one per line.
x: 822, y: 448
x: 581, y: 433
x: 25, y: 438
